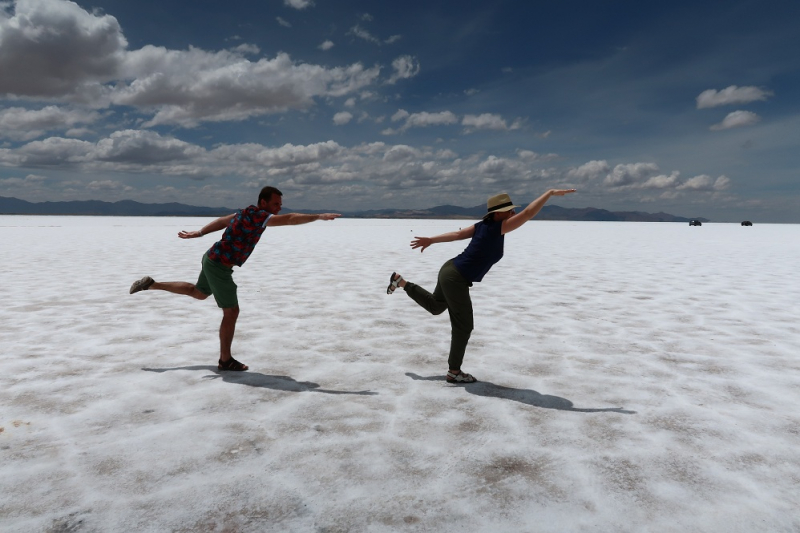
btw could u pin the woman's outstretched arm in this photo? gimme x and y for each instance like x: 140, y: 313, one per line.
x: 424, y: 242
x: 512, y: 223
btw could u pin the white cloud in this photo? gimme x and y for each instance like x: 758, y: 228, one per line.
x: 56, y: 49
x: 247, y: 49
x: 404, y: 67
x: 60, y: 52
x: 400, y: 115
x: 203, y: 86
x: 731, y: 95
x: 283, y: 22
x: 298, y: 4
x: 326, y: 45
x: 393, y: 39
x: 487, y: 121
x: 20, y: 124
x: 424, y: 119
x: 401, y: 152
x: 342, y: 118
x: 589, y: 171
x: 662, y: 181
x: 736, y: 119
x: 410, y: 172
x: 704, y: 182
x: 629, y: 174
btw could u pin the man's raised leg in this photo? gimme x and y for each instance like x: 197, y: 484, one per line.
x: 179, y: 287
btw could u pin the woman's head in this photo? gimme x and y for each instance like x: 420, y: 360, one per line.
x: 499, y: 207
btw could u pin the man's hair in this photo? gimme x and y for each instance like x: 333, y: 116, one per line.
x: 267, y: 192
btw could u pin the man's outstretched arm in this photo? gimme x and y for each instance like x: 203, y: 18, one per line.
x: 211, y: 227
x: 293, y: 219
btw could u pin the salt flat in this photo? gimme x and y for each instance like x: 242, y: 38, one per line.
x: 633, y: 377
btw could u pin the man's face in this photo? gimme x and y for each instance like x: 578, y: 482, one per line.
x: 273, y: 205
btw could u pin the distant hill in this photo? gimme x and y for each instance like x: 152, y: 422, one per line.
x: 15, y: 206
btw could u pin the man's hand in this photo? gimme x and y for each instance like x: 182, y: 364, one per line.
x: 328, y: 216
x: 561, y: 192
x: 189, y: 234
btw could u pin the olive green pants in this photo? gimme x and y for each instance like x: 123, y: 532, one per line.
x: 451, y: 293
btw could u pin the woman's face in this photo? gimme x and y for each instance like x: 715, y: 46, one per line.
x: 504, y: 215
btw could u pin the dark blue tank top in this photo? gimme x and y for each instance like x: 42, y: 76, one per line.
x: 484, y: 250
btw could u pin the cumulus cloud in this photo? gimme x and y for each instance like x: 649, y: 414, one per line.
x: 247, y: 49
x: 589, y: 171
x: 646, y: 176
x: 487, y: 121
x: 731, y: 95
x: 736, y: 119
x: 404, y: 67
x: 59, y: 51
x: 20, y: 124
x: 283, y: 22
x: 630, y: 174
x: 424, y: 119
x: 298, y: 4
x: 342, y: 118
x: 326, y: 45
x: 221, y: 86
x: 704, y: 182
x: 337, y: 172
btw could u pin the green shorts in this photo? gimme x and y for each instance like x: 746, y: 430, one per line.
x: 217, y: 279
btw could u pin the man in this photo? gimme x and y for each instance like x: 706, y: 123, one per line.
x: 243, y: 230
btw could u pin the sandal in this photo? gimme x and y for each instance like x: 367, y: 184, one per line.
x: 142, y: 284
x: 461, y: 377
x: 231, y: 364
x: 394, y: 282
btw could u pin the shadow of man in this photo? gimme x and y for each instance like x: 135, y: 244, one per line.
x: 526, y: 396
x: 256, y: 379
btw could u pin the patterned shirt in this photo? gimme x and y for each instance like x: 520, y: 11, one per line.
x: 240, y: 237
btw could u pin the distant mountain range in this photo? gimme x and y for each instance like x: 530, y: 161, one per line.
x: 15, y: 206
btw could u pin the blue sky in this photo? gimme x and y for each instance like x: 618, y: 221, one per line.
x: 692, y: 108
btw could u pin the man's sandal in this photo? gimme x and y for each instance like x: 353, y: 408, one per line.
x: 142, y: 284
x: 461, y: 377
x: 231, y: 364
x: 394, y: 282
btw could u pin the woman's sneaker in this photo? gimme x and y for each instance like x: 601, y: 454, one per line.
x: 461, y: 377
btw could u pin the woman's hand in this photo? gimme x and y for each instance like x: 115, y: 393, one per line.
x: 421, y: 242
x: 561, y: 192
x: 189, y: 234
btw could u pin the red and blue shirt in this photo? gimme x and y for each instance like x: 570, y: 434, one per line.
x: 240, y: 237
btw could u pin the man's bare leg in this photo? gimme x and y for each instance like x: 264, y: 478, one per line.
x: 179, y: 287
x: 226, y: 332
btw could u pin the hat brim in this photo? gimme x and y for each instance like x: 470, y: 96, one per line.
x: 503, y: 209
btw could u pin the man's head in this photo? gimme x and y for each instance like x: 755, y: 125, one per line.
x: 270, y: 199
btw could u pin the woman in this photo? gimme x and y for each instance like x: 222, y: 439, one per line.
x: 458, y: 274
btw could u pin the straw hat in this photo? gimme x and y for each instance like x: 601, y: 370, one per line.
x: 499, y: 203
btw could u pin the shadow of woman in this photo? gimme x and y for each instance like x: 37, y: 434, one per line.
x: 256, y: 379
x: 526, y: 396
